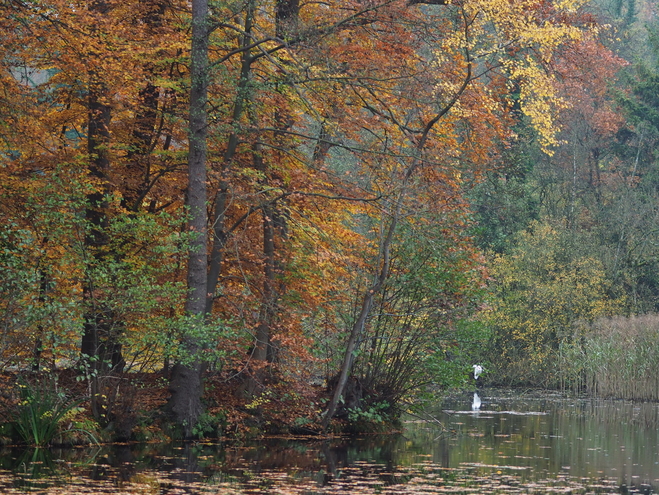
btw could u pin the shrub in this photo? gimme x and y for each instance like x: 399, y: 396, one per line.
x: 543, y: 287
x: 374, y: 418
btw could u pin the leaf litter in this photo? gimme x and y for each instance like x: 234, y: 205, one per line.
x: 360, y: 479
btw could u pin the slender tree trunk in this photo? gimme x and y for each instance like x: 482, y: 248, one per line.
x: 286, y: 18
x: 262, y: 351
x: 139, y: 155
x: 219, y: 240
x: 262, y: 345
x: 186, y: 385
x: 219, y: 218
x: 44, y: 284
x: 367, y: 305
x: 145, y: 134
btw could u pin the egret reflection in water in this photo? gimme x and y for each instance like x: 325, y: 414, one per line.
x: 476, y: 403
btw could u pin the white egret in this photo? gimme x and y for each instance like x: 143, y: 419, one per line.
x: 476, y: 404
x: 478, y: 369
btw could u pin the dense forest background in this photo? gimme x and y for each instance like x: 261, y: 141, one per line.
x: 283, y: 213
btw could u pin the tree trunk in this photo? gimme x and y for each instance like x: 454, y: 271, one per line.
x: 186, y: 386
x: 145, y: 133
x: 219, y: 240
x: 262, y: 351
x: 99, y: 348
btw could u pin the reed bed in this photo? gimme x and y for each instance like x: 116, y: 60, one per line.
x: 615, y: 357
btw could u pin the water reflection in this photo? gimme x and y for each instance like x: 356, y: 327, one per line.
x: 553, y: 436
x: 476, y: 402
x: 535, y: 444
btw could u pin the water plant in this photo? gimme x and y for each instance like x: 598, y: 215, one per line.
x: 41, y: 408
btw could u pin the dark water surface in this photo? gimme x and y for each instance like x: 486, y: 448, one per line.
x: 537, y: 443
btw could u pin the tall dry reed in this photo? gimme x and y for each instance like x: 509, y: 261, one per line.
x: 615, y: 357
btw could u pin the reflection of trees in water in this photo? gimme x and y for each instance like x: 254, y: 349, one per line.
x: 118, y: 461
x: 322, y: 461
x: 384, y: 458
x: 613, y: 434
x: 572, y: 436
x: 587, y: 436
x: 623, y: 412
x: 186, y: 466
x: 418, y: 456
x: 379, y: 452
x: 39, y: 468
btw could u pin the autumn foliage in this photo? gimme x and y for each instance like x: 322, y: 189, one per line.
x: 341, y: 138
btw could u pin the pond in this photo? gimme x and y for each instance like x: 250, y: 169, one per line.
x: 539, y: 443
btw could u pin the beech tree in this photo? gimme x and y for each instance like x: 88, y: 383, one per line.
x: 186, y: 384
